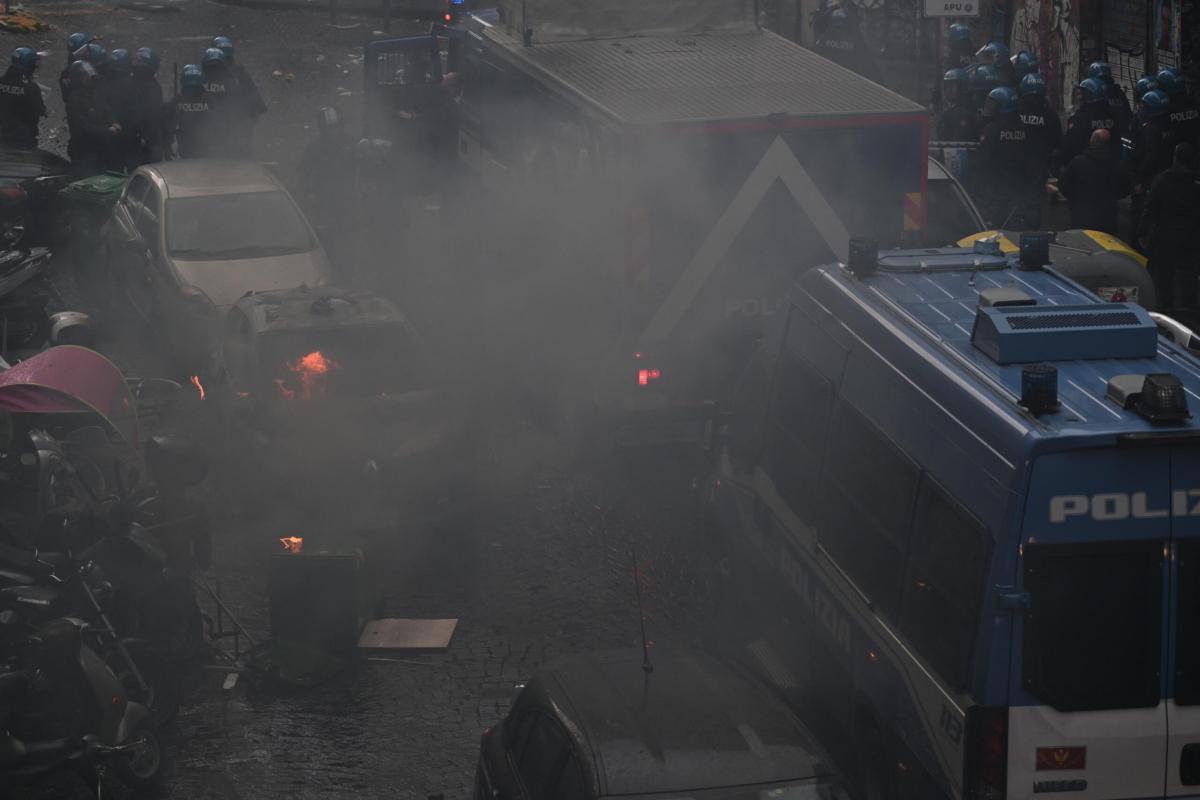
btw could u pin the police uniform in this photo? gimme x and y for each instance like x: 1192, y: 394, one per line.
x: 21, y: 108
x: 145, y: 112
x: 1185, y: 118
x: 1168, y: 226
x: 958, y: 123
x: 1118, y: 103
x: 1082, y: 123
x: 843, y: 44
x: 89, y: 120
x: 1043, y: 132
x: 1003, y: 151
x: 195, y: 125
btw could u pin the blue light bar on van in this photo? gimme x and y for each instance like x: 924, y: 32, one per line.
x: 1026, y: 334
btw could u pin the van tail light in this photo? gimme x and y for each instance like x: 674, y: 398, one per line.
x: 986, y: 767
x: 645, y: 376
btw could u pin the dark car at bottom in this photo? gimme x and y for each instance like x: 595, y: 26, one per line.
x: 692, y: 727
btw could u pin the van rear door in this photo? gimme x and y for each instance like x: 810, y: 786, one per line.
x: 1087, y: 715
x: 1183, y: 682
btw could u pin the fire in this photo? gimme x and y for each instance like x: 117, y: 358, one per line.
x: 292, y: 544
x: 199, y: 386
x: 311, y: 371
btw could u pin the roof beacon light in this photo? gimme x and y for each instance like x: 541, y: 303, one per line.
x: 1162, y: 399
x: 1039, y: 388
x: 1035, y: 251
x: 864, y: 255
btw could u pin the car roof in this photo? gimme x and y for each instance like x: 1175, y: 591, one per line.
x: 203, y: 177
x: 693, y: 722
x: 319, y: 307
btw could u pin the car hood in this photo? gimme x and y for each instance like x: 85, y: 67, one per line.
x: 226, y: 281
x: 26, y: 164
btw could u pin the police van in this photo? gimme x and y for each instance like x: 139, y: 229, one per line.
x: 963, y: 498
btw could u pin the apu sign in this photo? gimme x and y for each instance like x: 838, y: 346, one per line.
x: 952, y: 8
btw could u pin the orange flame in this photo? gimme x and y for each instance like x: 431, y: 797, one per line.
x: 311, y: 370
x: 199, y: 386
x: 292, y: 544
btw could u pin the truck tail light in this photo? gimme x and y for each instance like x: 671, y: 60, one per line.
x: 647, y: 375
x: 986, y: 767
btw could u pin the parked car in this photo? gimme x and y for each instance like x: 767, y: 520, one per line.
x: 330, y: 387
x: 29, y: 183
x: 188, y: 238
x: 690, y: 727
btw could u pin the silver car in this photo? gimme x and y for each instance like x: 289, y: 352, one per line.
x: 188, y: 238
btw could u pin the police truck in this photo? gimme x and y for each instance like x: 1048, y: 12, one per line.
x: 961, y: 498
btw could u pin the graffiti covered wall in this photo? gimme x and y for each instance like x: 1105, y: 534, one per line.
x: 1050, y: 28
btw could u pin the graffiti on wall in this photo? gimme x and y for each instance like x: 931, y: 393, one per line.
x: 1050, y: 28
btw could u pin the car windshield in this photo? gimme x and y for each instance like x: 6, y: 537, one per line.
x: 245, y: 225
x: 362, y: 361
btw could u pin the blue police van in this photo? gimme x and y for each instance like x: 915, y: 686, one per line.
x: 962, y: 494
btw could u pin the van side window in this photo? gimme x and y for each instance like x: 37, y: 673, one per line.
x: 870, y: 490
x: 799, y: 415
x: 943, y: 582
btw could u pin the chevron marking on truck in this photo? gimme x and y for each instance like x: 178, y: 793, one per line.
x: 778, y: 163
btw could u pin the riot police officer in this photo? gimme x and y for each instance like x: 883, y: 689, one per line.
x: 1153, y: 146
x: 995, y: 55
x: 145, y: 106
x: 1023, y: 63
x: 116, y: 77
x: 1094, y: 114
x: 1043, y: 132
x: 21, y: 104
x: 1168, y: 230
x: 74, y: 42
x: 1114, y: 94
x: 248, y: 104
x: 957, y: 120
x: 983, y: 80
x: 92, y: 125
x: 1003, y: 155
x: 1185, y: 114
x: 843, y: 43
x: 961, y: 49
x: 195, y: 122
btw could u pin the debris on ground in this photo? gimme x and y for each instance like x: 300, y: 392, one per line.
x: 287, y: 76
x: 19, y: 21
x: 152, y: 8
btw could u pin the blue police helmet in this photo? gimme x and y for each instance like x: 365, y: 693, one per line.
x: 77, y: 40
x: 1092, y: 91
x: 960, y: 33
x: 839, y: 18
x: 81, y: 71
x: 25, y: 59
x: 121, y: 58
x: 191, y: 76
x: 213, y: 58
x: 1155, y: 103
x: 1001, y: 50
x: 146, y: 60
x: 1101, y: 71
x: 956, y: 75
x: 1025, y: 62
x: 224, y: 44
x: 1169, y: 81
x: 1146, y: 83
x: 984, y: 78
x: 1033, y: 84
x: 95, y: 54
x: 1004, y: 99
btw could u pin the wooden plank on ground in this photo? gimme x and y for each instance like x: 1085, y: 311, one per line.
x: 407, y: 634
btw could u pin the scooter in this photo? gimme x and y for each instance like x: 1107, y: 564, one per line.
x: 73, y: 709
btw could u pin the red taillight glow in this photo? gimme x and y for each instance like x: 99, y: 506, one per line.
x: 449, y: 18
x: 647, y: 375
x: 1061, y: 758
x: 987, y: 752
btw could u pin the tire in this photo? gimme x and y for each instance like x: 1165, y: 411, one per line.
x: 141, y: 768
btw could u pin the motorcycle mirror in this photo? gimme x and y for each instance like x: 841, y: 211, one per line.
x: 175, y: 463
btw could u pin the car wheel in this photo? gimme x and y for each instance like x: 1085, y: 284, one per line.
x: 141, y: 767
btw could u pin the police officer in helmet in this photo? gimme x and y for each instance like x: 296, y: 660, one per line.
x: 195, y: 124
x: 1168, y: 230
x: 74, y: 42
x: 983, y: 80
x: 957, y: 120
x: 146, y: 108
x: 1093, y: 114
x: 92, y: 125
x: 1023, y: 63
x: 1184, y: 114
x: 21, y: 104
x: 961, y: 48
x: 247, y: 103
x: 1043, y: 132
x: 843, y: 43
x: 1114, y: 94
x: 995, y: 55
x: 1153, y: 148
x: 1003, y: 155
